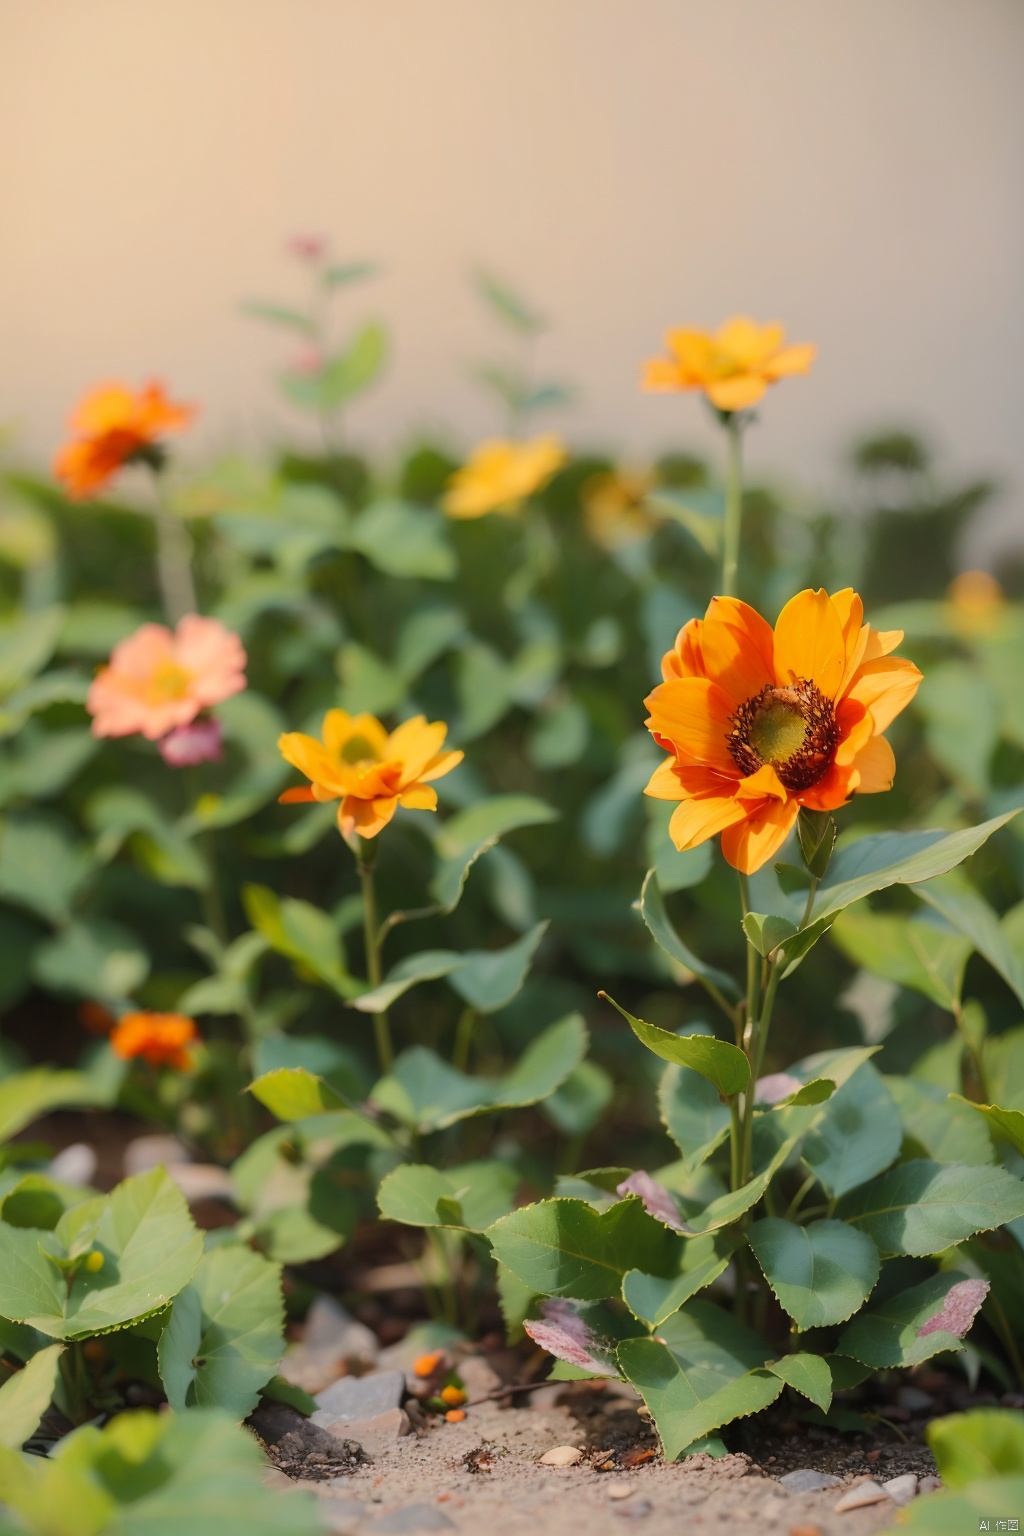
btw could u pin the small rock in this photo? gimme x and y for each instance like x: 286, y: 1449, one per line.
x: 332, y: 1343
x: 929, y: 1484
x: 146, y: 1152
x: 902, y: 1489
x: 805, y: 1530
x: 914, y: 1400
x: 561, y: 1456
x: 634, y: 1508
x: 477, y: 1376
x: 860, y: 1495
x: 409, y: 1519
x: 621, y: 1490
x: 545, y: 1397
x: 202, y: 1181
x: 374, y: 1435
x: 359, y: 1397
x: 771, y: 1509
x: 75, y: 1165
x: 806, y: 1480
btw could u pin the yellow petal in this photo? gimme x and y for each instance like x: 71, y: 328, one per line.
x: 759, y: 837
x: 311, y: 758
x: 660, y: 374
x: 874, y: 767
x: 737, y: 393
x: 748, y: 344
x: 694, y: 821
x: 789, y: 360
x: 414, y: 743
x: 663, y: 783
x: 809, y: 642
x: 443, y: 763
x: 764, y: 784
x: 885, y: 687
x: 737, y: 648
x: 419, y: 797
x: 692, y: 715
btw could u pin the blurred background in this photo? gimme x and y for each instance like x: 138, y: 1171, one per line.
x: 852, y: 169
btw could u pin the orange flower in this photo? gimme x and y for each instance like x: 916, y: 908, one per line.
x: 976, y: 603
x: 161, y: 1039
x: 369, y: 770
x: 159, y: 680
x: 501, y: 474
x: 614, y: 507
x: 114, y: 426
x: 426, y: 1365
x: 733, y: 367
x: 761, y: 723
x: 452, y: 1395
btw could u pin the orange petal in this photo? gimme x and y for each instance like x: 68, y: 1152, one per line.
x: 298, y: 796
x: 694, y: 821
x: 692, y: 715
x: 694, y: 354
x: 764, y: 784
x: 661, y: 374
x: 881, y: 642
x: 795, y: 359
x: 414, y: 743
x: 809, y: 642
x: 367, y: 817
x: 747, y: 344
x: 311, y: 758
x: 664, y: 784
x: 832, y: 790
x: 443, y: 763
x: 874, y: 767
x: 737, y: 647
x: 759, y: 836
x: 736, y: 394
x: 419, y: 797
x: 685, y: 659
x: 885, y: 687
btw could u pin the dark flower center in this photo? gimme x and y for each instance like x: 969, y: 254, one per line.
x: 794, y: 729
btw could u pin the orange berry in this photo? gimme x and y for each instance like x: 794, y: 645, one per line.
x: 453, y: 1396
x: 455, y: 1415
x: 426, y: 1365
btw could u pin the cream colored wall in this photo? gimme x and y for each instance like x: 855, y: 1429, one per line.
x: 852, y: 167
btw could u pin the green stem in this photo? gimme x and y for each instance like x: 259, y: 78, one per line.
x: 813, y: 891
x: 800, y: 1196
x: 733, y: 523
x: 173, y: 559
x: 463, y: 1038
x: 381, y: 1028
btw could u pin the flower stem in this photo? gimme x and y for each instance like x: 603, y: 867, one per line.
x: 381, y: 1028
x: 733, y: 522
x: 173, y: 559
x: 463, y: 1038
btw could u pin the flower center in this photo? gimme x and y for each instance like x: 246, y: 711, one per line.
x: 169, y: 681
x: 358, y: 749
x: 794, y: 729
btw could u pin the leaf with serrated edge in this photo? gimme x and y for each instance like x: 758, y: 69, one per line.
x: 916, y: 1324
x: 293, y: 1093
x: 225, y: 1335
x: 821, y: 1273
x: 723, y: 1064
x: 652, y: 1298
x: 467, y: 835
x: 566, y: 1248
x: 25, y: 1397
x: 857, y: 1136
x: 921, y: 1207
x: 652, y: 910
x: 807, y: 1374
x: 972, y: 916
x: 1007, y: 1124
x: 481, y: 1192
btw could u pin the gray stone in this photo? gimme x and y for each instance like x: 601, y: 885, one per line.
x: 333, y: 1343
x: 410, y: 1519
x: 634, y: 1508
x: 902, y: 1489
x: 860, y: 1495
x: 359, y: 1397
x: 374, y: 1435
x: 146, y: 1152
x: 914, y: 1400
x: 561, y: 1456
x: 806, y: 1480
x: 74, y: 1165
x: 203, y: 1181
x: 929, y: 1484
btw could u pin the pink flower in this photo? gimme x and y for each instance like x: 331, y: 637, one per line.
x: 188, y: 745
x: 308, y: 247
x: 158, y: 680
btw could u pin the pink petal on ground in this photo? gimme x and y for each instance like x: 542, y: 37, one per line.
x: 958, y: 1311
x: 564, y: 1334
x: 656, y: 1198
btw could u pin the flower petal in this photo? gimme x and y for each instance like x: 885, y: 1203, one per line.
x: 414, y: 743
x: 737, y: 649
x: 759, y: 836
x: 874, y: 767
x: 443, y: 763
x: 809, y: 642
x: 885, y: 687
x: 300, y: 795
x: 737, y: 393
x: 794, y: 359
x: 694, y: 821
x: 419, y: 797
x: 764, y: 784
x: 691, y: 716
x: 664, y: 784
x: 366, y: 817
x: 312, y: 758
x: 685, y: 659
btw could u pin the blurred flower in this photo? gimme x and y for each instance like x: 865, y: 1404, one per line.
x: 160, y: 679
x: 368, y: 770
x: 188, y: 745
x: 452, y: 1395
x: 761, y: 723
x: 114, y: 426
x: 96, y: 1019
x: 499, y: 475
x: 426, y: 1365
x: 160, y: 1039
x: 733, y: 367
x: 307, y: 247
x: 976, y: 602
x: 613, y: 507
x: 307, y: 362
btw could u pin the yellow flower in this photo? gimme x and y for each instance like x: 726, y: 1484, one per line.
x: 976, y: 602
x: 733, y: 367
x: 501, y: 474
x: 369, y: 770
x: 614, y: 510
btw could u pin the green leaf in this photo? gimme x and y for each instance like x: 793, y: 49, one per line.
x: 225, y: 1334
x: 766, y: 933
x: 577, y: 1106
x: 983, y: 1443
x: 807, y: 1374
x: 488, y: 979
x: 903, y: 949
x: 42, y: 864
x: 652, y: 910
x: 429, y: 965
x: 816, y: 834
x: 722, y: 1064
x: 277, y: 314
x: 26, y: 644
x: 972, y: 916
x: 150, y: 1250
x: 25, y: 1397
x: 898, y: 858
x: 464, y: 837
x: 820, y: 1273
x: 922, y: 1207
x: 343, y: 273
x: 92, y: 958
x: 470, y: 1197
x: 426, y: 1094
x: 343, y: 376
x: 305, y: 934
x: 693, y: 1113
x: 916, y: 1324
x: 484, y: 687
x: 699, y: 512
x: 1007, y: 1124
x: 653, y: 1298
x: 404, y: 540
x: 26, y: 1096
x: 566, y: 1248
x: 939, y: 1125
x: 703, y: 1371
x: 856, y: 1137
x: 293, y: 1093
x: 507, y: 304
x: 279, y: 1390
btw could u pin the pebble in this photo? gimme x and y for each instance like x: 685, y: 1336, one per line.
x: 374, y: 1435
x: 621, y: 1490
x: 561, y: 1456
x: 929, y: 1484
x: 146, y: 1152
x: 477, y: 1376
x: 333, y: 1341
x: 860, y: 1495
x: 75, y: 1165
x: 772, y: 1508
x: 409, y: 1519
x: 634, y: 1508
x: 914, y: 1400
x: 902, y: 1489
x: 202, y: 1181
x: 806, y: 1480
x: 359, y: 1397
